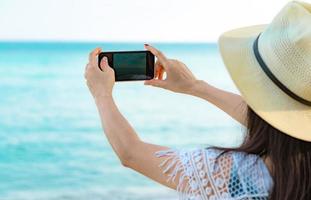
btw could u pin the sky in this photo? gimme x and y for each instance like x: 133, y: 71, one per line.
x: 130, y: 20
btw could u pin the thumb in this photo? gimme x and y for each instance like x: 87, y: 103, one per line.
x: 104, y: 63
x: 155, y: 83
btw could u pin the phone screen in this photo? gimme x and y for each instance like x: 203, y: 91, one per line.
x: 130, y: 65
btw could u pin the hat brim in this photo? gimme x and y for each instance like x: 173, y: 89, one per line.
x: 259, y: 92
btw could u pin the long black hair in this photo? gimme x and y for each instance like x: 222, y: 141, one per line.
x: 290, y: 158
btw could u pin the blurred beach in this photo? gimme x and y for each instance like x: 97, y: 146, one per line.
x: 51, y: 142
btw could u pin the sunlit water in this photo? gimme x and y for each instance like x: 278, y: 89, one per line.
x: 51, y: 142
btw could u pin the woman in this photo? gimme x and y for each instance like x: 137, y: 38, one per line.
x: 271, y: 66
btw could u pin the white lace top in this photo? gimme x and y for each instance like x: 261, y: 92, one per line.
x: 205, y: 174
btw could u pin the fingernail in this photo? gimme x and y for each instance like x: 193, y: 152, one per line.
x: 105, y: 59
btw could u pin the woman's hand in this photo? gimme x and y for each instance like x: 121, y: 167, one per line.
x: 178, y: 77
x: 99, y: 82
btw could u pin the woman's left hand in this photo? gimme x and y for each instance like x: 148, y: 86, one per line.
x: 99, y: 82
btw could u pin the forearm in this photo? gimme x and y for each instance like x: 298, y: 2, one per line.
x: 132, y: 152
x: 230, y: 103
x: 118, y: 131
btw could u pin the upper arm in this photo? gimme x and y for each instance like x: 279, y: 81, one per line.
x: 142, y: 159
x: 189, y: 172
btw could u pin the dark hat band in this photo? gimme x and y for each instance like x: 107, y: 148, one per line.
x: 267, y: 71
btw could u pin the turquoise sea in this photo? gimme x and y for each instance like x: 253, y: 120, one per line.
x: 51, y: 143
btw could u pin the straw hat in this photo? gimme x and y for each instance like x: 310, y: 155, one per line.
x: 271, y: 66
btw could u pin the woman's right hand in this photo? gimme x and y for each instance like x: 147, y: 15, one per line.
x: 178, y: 77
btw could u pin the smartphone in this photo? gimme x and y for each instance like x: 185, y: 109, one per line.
x: 130, y: 65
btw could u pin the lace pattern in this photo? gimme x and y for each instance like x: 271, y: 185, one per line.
x: 206, y: 174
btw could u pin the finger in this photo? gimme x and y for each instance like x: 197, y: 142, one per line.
x: 155, y: 83
x: 161, y: 72
x: 157, y: 67
x: 86, y: 67
x: 160, y: 56
x: 86, y: 70
x: 94, y: 53
x: 104, y: 63
x: 91, y: 54
x: 93, y: 57
x: 86, y: 74
x: 87, y: 83
x: 157, y: 73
